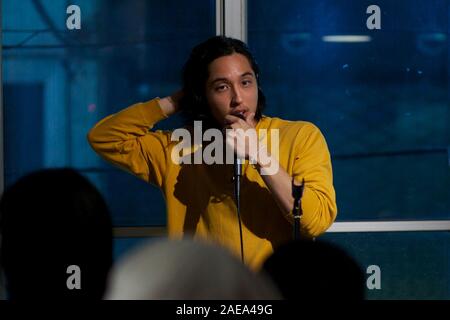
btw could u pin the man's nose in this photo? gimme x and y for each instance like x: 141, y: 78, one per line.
x: 237, y: 96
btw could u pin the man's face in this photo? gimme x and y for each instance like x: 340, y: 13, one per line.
x: 231, y: 87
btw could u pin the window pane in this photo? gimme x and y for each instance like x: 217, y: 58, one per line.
x: 58, y: 83
x: 382, y: 102
x: 131, y: 201
x: 413, y: 265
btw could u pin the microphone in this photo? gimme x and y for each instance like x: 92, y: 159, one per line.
x: 297, y: 193
x: 237, y: 167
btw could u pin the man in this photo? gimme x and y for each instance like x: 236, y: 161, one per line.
x: 221, y: 89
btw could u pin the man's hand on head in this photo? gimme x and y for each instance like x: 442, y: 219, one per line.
x: 171, y: 104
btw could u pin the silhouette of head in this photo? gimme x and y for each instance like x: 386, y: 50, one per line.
x: 50, y: 220
x: 306, y: 269
x: 185, y: 269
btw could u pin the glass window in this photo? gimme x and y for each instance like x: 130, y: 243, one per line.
x: 57, y: 83
x: 380, y: 97
x: 412, y: 265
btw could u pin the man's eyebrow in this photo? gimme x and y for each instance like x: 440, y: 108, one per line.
x: 248, y: 73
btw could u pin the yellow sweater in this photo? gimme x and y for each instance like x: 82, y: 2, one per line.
x: 200, y: 198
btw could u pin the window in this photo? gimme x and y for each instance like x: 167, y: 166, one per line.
x: 412, y: 265
x: 57, y: 83
x: 380, y: 97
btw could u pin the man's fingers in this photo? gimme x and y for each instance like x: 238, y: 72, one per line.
x: 249, y: 117
x: 232, y: 118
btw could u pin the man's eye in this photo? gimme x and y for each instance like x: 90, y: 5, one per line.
x: 246, y: 82
x: 221, y: 88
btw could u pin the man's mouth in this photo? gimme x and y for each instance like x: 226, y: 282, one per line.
x: 240, y: 114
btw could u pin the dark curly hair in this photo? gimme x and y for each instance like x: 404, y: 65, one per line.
x: 194, y: 104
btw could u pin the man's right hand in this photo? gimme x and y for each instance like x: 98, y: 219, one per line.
x: 170, y: 104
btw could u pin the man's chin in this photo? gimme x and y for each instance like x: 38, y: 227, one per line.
x: 211, y: 123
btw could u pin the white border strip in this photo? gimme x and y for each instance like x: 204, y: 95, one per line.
x: 387, y: 226
x: 359, y: 226
x: 231, y: 19
x: 219, y: 18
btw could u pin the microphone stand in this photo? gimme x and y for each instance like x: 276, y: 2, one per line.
x: 237, y: 191
x: 297, y: 193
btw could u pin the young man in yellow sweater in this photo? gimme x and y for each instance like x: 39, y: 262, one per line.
x: 221, y: 89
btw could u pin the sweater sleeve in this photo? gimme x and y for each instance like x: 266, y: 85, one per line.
x: 125, y: 140
x: 313, y: 163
